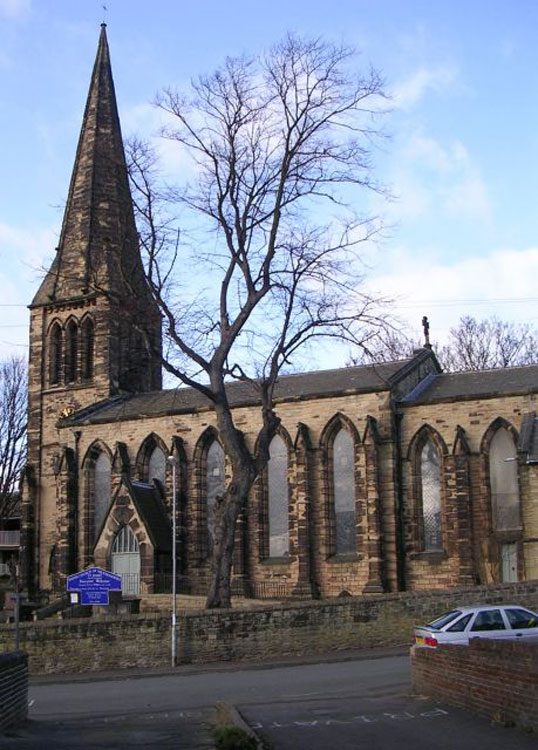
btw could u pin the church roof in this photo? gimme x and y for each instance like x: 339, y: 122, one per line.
x: 98, y: 244
x: 317, y: 384
x: 475, y: 384
x: 153, y: 513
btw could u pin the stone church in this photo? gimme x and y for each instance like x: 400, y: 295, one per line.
x: 381, y: 478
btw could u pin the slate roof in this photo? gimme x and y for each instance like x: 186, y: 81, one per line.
x: 477, y: 384
x: 317, y: 384
x: 151, y: 508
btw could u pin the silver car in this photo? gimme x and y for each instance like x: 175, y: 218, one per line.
x: 483, y: 621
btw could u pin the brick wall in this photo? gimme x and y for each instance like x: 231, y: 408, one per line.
x: 13, y: 689
x: 265, y: 633
x: 495, y: 679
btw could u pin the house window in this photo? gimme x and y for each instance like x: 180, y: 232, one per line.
x: 101, y: 491
x: 157, y: 466
x: 278, y: 498
x: 215, y: 485
x: 344, y: 493
x: 87, y: 349
x: 504, y: 484
x: 71, y: 352
x: 56, y: 354
x: 430, y: 490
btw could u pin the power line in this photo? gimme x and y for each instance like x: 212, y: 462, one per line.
x: 463, y: 301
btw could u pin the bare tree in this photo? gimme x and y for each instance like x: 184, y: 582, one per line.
x: 472, y: 345
x: 490, y: 343
x: 280, y: 146
x: 13, y: 417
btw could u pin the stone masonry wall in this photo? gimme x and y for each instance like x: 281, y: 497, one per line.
x: 475, y: 417
x: 143, y: 641
x: 315, y: 414
x: 496, y: 679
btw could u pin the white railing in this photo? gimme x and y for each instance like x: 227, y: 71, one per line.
x: 130, y: 584
x: 4, y: 569
x: 10, y: 538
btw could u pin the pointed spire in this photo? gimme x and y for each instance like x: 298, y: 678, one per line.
x: 99, y: 243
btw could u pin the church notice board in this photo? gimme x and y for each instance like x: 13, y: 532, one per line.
x: 92, y: 586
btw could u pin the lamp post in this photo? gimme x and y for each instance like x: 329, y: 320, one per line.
x: 172, y: 460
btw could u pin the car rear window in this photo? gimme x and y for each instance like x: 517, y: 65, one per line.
x: 460, y: 625
x: 488, y: 619
x: 445, y: 619
x: 521, y: 618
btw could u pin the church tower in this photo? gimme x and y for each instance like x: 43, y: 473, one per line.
x: 95, y: 331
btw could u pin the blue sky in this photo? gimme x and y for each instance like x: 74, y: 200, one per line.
x: 462, y: 159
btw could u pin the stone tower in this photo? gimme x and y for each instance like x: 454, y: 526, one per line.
x: 95, y: 331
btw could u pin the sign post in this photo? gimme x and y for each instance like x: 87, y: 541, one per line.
x: 17, y: 598
x: 93, y: 585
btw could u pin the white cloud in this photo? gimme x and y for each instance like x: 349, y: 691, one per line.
x: 412, y: 89
x: 14, y: 8
x: 478, y: 286
x: 432, y: 177
x: 24, y: 253
x: 147, y: 121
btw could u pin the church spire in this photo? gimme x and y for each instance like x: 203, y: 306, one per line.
x: 98, y: 246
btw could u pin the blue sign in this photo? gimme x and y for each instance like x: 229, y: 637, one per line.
x: 93, y: 585
x: 93, y: 597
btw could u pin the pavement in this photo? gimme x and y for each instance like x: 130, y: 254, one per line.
x: 189, y: 729
x: 325, y: 703
x: 182, y: 730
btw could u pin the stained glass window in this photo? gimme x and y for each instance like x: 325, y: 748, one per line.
x: 504, y: 482
x: 430, y: 476
x: 344, y: 493
x: 215, y: 484
x: 157, y: 466
x: 101, y: 490
x: 277, y: 490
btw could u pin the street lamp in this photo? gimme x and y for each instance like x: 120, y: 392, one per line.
x: 172, y: 460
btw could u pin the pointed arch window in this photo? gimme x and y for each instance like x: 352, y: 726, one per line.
x: 278, y: 498
x: 430, y: 496
x: 343, y: 476
x: 102, y: 481
x: 503, y: 477
x: 157, y: 466
x: 125, y: 542
x: 88, y: 336
x: 71, y: 352
x: 215, y: 485
x: 56, y: 354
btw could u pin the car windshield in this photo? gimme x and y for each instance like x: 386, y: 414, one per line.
x: 440, y: 622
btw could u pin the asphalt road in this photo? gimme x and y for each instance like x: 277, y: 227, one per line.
x: 363, y: 702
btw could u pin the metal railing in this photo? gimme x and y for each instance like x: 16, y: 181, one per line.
x: 10, y: 538
x: 4, y: 569
x: 272, y: 590
x: 130, y: 584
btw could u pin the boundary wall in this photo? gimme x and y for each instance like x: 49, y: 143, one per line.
x: 265, y: 633
x: 13, y: 690
x: 495, y: 679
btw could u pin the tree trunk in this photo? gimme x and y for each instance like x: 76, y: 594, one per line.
x: 227, y: 510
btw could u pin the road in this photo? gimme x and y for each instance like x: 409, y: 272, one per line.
x: 363, y: 702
